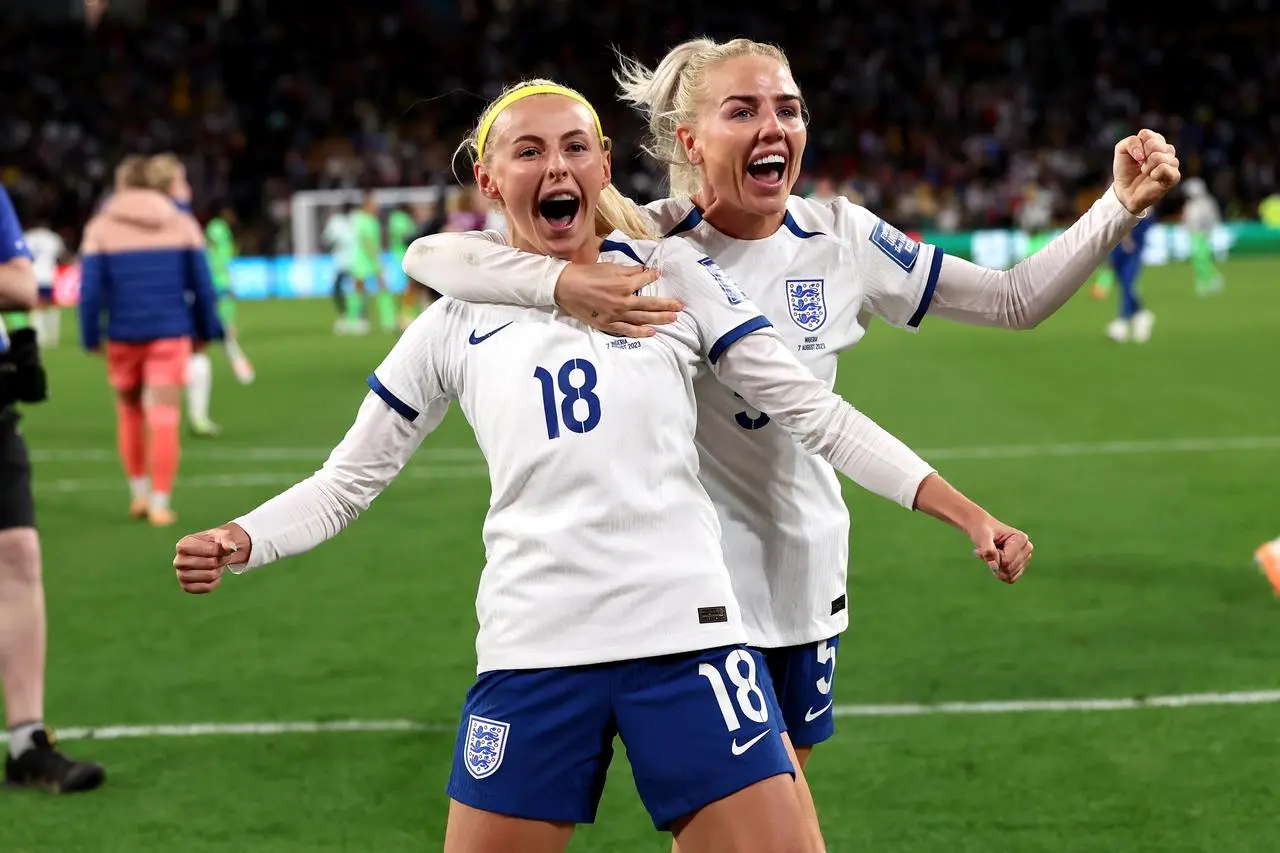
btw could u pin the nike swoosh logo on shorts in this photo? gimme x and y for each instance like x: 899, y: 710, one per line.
x: 738, y: 749
x: 474, y: 340
x: 811, y: 715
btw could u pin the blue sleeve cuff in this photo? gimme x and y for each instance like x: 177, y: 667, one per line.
x: 930, y: 285
x: 736, y: 334
x: 400, y: 407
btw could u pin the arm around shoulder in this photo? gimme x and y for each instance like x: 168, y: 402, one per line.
x: 479, y: 266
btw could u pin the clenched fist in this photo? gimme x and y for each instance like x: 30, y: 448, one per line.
x: 201, y: 557
x: 1145, y: 168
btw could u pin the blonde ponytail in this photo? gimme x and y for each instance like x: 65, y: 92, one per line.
x: 616, y: 212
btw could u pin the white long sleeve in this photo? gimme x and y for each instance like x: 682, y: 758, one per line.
x: 1027, y: 294
x: 370, y: 456
x: 762, y: 369
x: 479, y: 266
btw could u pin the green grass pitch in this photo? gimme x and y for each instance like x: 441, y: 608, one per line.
x: 1120, y: 461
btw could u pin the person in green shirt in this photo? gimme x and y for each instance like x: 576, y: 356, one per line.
x: 366, y: 269
x: 401, y: 229
x: 220, y: 249
x: 221, y: 243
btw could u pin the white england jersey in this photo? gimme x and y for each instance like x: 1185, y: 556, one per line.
x: 46, y: 247
x: 601, y: 543
x: 785, y: 525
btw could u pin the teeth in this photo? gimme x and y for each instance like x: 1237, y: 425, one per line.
x: 770, y: 159
x: 561, y: 197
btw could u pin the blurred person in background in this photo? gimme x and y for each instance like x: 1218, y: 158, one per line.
x: 402, y: 227
x: 1134, y: 322
x: 32, y: 759
x: 221, y: 249
x: 338, y: 238
x: 1201, y: 216
x: 1035, y: 217
x: 366, y: 272
x: 47, y: 251
x: 729, y: 121
x: 143, y: 266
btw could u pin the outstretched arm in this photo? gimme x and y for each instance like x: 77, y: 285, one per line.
x: 410, y: 395
x: 1145, y: 168
x: 1033, y: 289
x: 762, y: 369
x: 370, y: 456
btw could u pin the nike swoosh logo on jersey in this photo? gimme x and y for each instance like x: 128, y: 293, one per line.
x: 739, y: 749
x: 811, y: 715
x: 474, y: 340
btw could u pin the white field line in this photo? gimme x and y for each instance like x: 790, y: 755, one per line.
x: 261, y: 478
x: 250, y: 454
x: 1013, y: 706
x: 450, y: 463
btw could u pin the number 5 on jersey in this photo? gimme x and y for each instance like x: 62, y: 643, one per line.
x: 749, y: 418
x: 571, y: 395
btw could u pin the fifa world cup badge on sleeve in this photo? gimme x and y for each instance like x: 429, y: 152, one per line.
x: 900, y: 248
x: 731, y: 291
x: 486, y: 745
x: 807, y: 302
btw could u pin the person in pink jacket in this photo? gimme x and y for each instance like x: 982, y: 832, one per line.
x: 144, y: 273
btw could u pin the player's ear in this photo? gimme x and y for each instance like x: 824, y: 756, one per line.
x: 607, y: 160
x: 487, y: 185
x: 689, y: 142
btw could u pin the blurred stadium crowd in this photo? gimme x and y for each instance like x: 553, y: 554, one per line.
x: 935, y: 113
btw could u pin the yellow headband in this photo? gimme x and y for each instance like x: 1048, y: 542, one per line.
x: 526, y: 92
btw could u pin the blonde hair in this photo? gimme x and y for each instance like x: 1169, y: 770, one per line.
x: 129, y: 172
x: 674, y: 93
x: 614, y: 211
x: 159, y: 172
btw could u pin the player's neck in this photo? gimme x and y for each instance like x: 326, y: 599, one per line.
x: 739, y: 224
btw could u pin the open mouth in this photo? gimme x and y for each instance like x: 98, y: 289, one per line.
x: 560, y: 210
x: 768, y: 170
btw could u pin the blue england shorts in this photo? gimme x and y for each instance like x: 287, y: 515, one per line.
x: 697, y: 727
x: 803, y: 677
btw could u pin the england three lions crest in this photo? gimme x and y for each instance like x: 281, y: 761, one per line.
x: 486, y: 745
x: 807, y: 303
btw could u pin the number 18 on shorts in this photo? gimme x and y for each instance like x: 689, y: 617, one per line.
x: 696, y: 727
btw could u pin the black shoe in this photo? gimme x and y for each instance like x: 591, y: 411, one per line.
x: 44, y: 767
